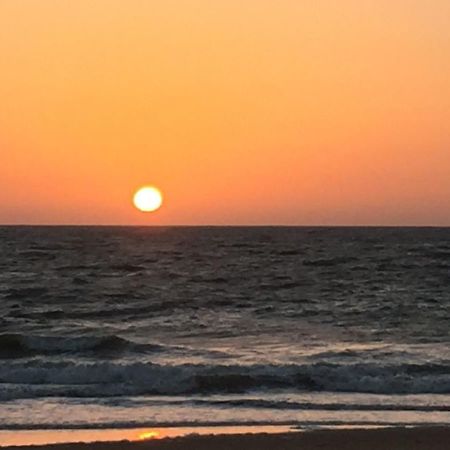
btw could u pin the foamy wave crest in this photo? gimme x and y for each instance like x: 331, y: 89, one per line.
x: 15, y: 345
x: 32, y: 378
x: 294, y: 405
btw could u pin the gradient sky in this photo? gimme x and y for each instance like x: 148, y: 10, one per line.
x: 241, y: 111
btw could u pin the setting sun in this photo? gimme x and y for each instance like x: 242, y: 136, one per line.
x: 148, y: 199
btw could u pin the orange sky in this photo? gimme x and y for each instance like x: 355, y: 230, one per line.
x: 241, y: 111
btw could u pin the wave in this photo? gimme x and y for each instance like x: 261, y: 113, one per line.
x: 329, y: 262
x: 33, y: 378
x: 24, y: 293
x: 294, y: 405
x: 16, y: 345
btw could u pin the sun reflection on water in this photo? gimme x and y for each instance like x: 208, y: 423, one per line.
x: 149, y: 435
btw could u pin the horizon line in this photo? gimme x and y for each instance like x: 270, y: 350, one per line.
x: 81, y: 225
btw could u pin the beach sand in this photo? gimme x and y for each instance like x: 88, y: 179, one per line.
x: 423, y: 438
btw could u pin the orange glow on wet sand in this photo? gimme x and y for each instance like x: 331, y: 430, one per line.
x: 149, y: 435
x: 44, y: 437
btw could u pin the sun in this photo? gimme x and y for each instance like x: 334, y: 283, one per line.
x: 148, y: 199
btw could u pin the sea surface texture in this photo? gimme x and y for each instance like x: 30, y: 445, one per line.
x: 118, y: 327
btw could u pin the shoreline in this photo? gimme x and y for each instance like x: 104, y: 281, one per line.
x: 389, y: 438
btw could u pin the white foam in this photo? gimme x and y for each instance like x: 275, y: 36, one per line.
x: 20, y: 379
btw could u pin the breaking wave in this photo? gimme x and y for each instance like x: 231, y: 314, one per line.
x: 15, y: 345
x: 30, y: 379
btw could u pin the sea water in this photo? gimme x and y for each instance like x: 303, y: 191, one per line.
x: 118, y: 327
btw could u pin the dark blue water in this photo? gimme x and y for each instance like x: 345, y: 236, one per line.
x: 112, y: 326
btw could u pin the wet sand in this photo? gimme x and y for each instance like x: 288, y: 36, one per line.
x: 423, y: 438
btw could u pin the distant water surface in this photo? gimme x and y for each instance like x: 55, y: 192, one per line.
x: 114, y: 327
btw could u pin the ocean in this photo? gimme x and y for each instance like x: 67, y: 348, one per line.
x: 118, y: 327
